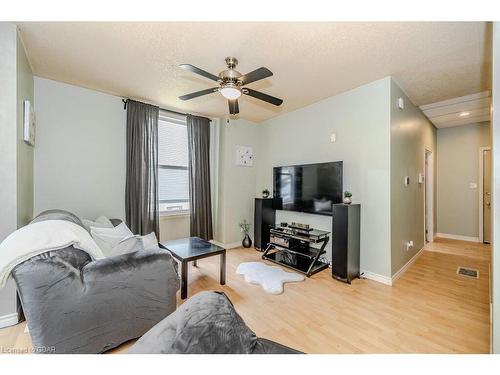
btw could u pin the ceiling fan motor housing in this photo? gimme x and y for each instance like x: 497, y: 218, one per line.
x: 230, y: 76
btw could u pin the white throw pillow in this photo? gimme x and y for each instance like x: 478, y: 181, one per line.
x: 128, y: 245
x: 100, y: 222
x: 108, y: 238
x: 149, y: 241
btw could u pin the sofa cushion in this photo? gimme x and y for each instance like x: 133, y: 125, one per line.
x: 207, y: 323
x: 57, y: 215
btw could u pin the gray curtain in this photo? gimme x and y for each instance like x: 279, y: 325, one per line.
x: 141, y: 191
x: 199, y: 176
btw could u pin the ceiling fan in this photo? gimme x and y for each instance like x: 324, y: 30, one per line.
x: 231, y: 84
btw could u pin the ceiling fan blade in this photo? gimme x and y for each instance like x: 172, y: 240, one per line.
x: 198, y: 93
x: 233, y: 107
x: 256, y: 75
x: 262, y: 96
x: 199, y: 71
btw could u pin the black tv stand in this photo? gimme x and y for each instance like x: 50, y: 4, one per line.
x: 291, y: 247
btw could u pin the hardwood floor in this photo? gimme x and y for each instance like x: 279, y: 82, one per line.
x: 430, y: 309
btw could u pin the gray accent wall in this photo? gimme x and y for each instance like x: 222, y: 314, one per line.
x: 25, y: 152
x: 361, y: 120
x: 495, y: 129
x: 16, y: 162
x: 8, y: 143
x: 411, y: 133
x: 8, y: 130
x: 458, y: 166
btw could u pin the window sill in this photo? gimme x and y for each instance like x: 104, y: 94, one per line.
x: 167, y: 215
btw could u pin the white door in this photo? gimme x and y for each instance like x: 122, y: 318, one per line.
x: 487, y: 196
x: 429, y: 197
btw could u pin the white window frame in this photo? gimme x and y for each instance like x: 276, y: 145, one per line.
x: 179, y: 120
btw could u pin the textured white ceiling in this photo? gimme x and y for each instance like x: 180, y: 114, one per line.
x: 310, y: 61
x: 464, y: 110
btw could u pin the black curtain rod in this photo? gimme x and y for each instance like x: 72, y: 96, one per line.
x: 164, y: 109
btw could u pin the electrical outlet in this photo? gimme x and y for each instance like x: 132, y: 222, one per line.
x: 409, y: 245
x: 333, y: 137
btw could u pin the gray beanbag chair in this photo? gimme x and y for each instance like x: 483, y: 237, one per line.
x: 74, y: 304
x: 207, y: 323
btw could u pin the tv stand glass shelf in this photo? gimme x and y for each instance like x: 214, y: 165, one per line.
x: 291, y: 247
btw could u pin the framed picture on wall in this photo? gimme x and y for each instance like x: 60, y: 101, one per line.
x: 28, y: 123
x: 244, y: 156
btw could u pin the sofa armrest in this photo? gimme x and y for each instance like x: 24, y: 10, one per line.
x: 140, y: 265
x: 83, y: 306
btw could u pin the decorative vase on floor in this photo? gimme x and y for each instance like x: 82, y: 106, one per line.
x: 247, y: 241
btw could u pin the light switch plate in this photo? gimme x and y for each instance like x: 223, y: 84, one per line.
x: 401, y: 103
x: 472, y: 185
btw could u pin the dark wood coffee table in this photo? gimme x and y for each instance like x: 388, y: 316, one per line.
x: 190, y: 250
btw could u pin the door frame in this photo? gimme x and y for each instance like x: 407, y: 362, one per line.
x: 429, y: 182
x: 480, y: 188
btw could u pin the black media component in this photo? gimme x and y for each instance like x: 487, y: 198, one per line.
x: 345, y: 242
x: 264, y: 218
x: 293, y: 248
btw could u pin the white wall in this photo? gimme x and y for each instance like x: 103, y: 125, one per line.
x: 458, y: 166
x: 361, y: 120
x: 173, y: 227
x: 237, y: 184
x: 80, y: 150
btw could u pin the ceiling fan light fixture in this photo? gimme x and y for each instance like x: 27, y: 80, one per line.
x: 230, y: 92
x: 231, y: 84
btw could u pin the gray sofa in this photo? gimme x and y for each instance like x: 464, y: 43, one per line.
x: 206, y: 323
x: 75, y: 305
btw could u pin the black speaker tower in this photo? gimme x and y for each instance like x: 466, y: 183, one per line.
x: 264, y: 217
x: 345, y: 242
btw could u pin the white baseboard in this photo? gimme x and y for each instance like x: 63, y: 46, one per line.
x: 403, y: 269
x: 376, y: 277
x: 391, y: 280
x: 226, y: 246
x: 457, y: 237
x: 8, y: 320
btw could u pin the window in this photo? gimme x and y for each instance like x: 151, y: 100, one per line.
x: 173, y: 179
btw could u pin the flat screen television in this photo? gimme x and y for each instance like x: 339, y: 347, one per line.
x: 311, y: 188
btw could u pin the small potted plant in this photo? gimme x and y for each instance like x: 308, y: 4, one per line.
x: 245, y: 229
x: 347, y: 197
x: 265, y: 193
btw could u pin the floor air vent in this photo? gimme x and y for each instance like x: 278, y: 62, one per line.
x: 468, y: 272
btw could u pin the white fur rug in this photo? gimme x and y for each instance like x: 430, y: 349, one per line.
x: 269, y: 277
